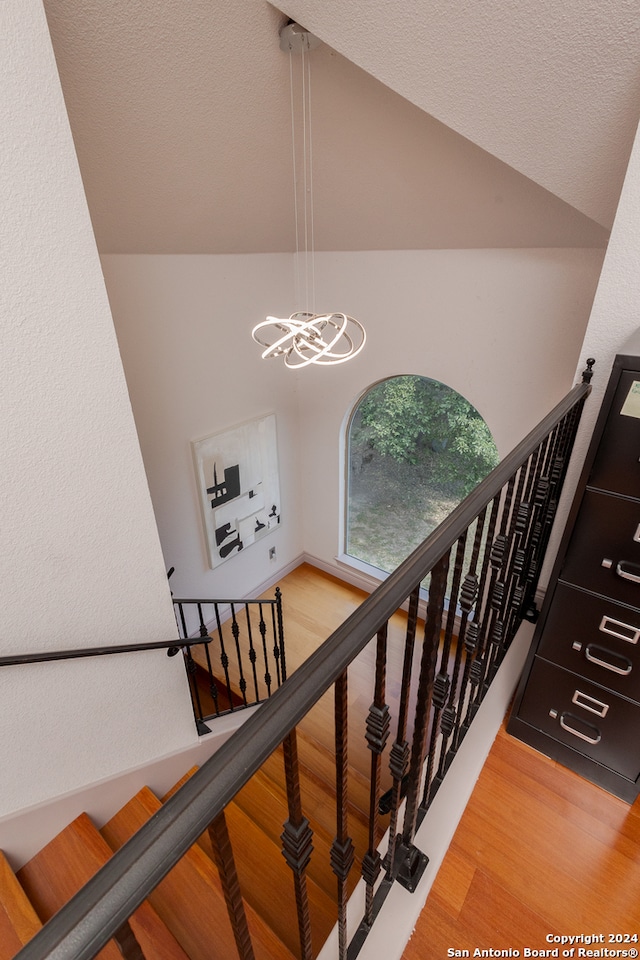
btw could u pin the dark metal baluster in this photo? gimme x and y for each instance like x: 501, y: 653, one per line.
x: 297, y: 843
x: 126, y: 940
x: 224, y: 658
x: 540, y: 507
x: 538, y: 498
x: 202, y: 625
x: 399, y: 754
x: 235, y: 630
x: 468, y: 634
x: 276, y: 647
x: 253, y: 656
x: 263, y: 634
x: 283, y: 662
x: 501, y: 558
x: 477, y: 629
x: 213, y: 685
x: 527, y: 523
x: 225, y: 862
x: 567, y: 430
x: 410, y: 862
x: 182, y: 621
x: 378, y: 723
x: 498, y: 554
x: 192, y: 671
x: 444, y: 715
x: 501, y: 636
x: 342, y: 846
x: 518, y: 606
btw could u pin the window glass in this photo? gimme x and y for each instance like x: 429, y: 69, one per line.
x: 416, y: 448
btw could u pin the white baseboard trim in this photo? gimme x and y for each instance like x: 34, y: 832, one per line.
x: 272, y: 581
x: 343, y: 571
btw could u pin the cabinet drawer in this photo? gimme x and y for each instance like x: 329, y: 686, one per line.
x: 617, y: 463
x: 589, y: 719
x: 604, y: 550
x: 595, y: 638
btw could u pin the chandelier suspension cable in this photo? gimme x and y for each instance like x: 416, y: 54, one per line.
x: 306, y: 63
x: 307, y: 227
x: 306, y: 337
x: 296, y: 272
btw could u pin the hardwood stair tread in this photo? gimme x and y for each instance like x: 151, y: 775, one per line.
x: 264, y: 801
x: 65, y: 864
x: 255, y: 830
x: 18, y: 920
x: 317, y: 784
x: 190, y: 899
x: 266, y: 882
x: 60, y: 868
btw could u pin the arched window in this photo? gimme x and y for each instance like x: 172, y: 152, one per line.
x: 415, y: 449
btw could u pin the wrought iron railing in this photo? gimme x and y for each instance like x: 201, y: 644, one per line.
x: 236, y: 658
x: 241, y: 658
x: 493, y: 546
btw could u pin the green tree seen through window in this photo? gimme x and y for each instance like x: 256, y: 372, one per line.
x: 416, y: 449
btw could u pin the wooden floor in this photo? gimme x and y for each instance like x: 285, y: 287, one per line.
x: 539, y: 851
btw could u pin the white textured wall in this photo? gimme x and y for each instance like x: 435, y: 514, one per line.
x: 616, y: 314
x: 501, y: 327
x: 80, y: 561
x: 550, y: 88
x: 184, y: 327
x: 614, y: 318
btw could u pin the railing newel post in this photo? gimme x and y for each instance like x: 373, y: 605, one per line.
x: 283, y: 661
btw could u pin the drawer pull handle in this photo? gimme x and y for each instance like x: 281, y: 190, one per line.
x: 578, y: 733
x: 606, y: 664
x: 626, y: 574
x: 609, y: 625
x: 590, y: 703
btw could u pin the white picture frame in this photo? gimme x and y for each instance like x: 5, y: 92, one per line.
x: 238, y: 486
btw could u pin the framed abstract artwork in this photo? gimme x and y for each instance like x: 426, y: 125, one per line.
x: 238, y: 486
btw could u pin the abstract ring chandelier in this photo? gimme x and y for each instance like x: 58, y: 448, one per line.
x: 305, y: 338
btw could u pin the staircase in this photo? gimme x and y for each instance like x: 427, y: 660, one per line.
x: 185, y: 918
x: 333, y: 719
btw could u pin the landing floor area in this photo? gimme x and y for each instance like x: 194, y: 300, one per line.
x: 539, y: 854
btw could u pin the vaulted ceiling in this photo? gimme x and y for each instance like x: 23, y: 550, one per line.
x: 435, y: 124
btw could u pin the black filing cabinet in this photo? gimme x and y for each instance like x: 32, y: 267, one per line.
x: 579, y: 698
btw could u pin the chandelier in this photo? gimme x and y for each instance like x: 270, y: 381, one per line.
x: 306, y: 337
